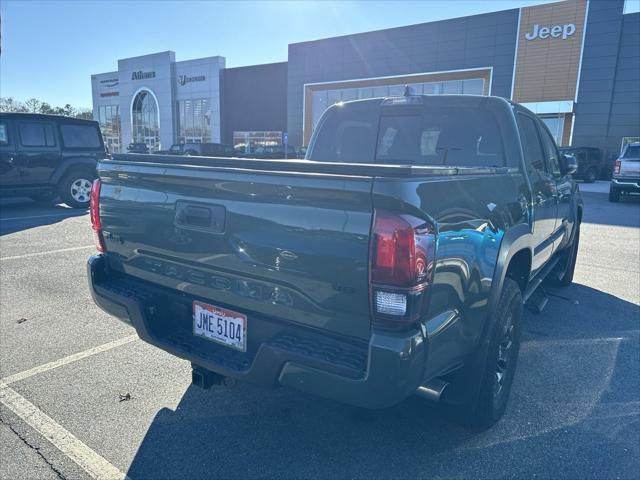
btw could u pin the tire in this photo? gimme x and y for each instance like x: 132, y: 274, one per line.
x: 563, y: 276
x: 483, y: 389
x: 614, y: 195
x: 590, y: 175
x: 75, y: 187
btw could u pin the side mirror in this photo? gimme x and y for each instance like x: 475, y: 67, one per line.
x: 569, y: 164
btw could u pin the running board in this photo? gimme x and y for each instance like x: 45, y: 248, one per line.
x: 537, y: 301
x: 539, y: 278
x: 432, y: 390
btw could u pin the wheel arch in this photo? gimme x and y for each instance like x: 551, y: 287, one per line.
x: 69, y: 164
x: 514, y: 260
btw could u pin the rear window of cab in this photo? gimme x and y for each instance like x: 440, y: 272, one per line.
x: 463, y: 136
x: 632, y: 151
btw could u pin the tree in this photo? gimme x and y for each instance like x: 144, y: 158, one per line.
x: 69, y: 111
x: 45, y: 108
x: 9, y: 104
x: 85, y: 113
x: 33, y: 105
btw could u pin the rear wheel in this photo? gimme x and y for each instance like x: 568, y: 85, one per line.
x: 590, y: 175
x: 502, y: 358
x: 75, y: 187
x: 480, y: 392
x: 614, y: 194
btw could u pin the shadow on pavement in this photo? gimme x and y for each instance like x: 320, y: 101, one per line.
x: 574, y: 413
x: 17, y: 214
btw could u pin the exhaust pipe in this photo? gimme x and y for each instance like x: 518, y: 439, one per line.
x: 433, y: 390
x: 205, y: 379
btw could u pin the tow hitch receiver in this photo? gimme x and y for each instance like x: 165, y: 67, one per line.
x: 205, y: 379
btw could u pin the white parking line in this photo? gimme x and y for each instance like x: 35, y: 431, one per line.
x: 47, y: 215
x: 67, y: 360
x: 38, y: 254
x: 89, y: 460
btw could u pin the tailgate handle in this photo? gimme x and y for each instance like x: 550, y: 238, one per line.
x: 200, y: 216
x: 197, y: 216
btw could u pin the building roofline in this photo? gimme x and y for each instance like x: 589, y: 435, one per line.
x: 409, y: 25
x: 256, y: 65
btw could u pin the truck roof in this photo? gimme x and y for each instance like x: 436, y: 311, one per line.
x: 444, y: 100
x: 44, y: 116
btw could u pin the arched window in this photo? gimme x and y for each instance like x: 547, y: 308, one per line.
x: 145, y: 123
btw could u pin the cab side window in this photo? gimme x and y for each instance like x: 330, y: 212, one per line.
x: 551, y: 155
x: 531, y: 147
x: 35, y: 134
x: 80, y: 136
x: 4, y: 134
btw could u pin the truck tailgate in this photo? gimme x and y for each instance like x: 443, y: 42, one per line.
x: 288, y: 246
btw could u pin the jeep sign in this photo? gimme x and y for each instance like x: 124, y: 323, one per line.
x: 556, y: 31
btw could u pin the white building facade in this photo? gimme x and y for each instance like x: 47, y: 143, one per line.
x: 157, y: 101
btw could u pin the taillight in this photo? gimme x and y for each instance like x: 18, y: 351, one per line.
x: 94, y: 212
x: 616, y: 168
x: 401, y: 259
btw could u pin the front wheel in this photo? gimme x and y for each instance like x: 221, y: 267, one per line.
x: 563, y: 276
x: 44, y: 199
x: 75, y: 187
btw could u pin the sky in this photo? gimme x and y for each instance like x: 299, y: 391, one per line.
x: 51, y: 48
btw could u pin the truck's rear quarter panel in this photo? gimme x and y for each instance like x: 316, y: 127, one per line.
x: 471, y: 213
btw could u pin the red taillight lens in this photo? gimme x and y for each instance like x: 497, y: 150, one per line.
x: 94, y: 212
x: 401, y: 264
x: 394, y: 250
x: 616, y: 168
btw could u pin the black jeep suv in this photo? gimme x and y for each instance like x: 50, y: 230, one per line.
x: 46, y: 156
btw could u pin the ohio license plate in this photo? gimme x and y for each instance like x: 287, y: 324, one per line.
x: 220, y: 325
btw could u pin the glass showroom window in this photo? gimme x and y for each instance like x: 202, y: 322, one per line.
x: 109, y: 119
x: 145, y: 122
x: 322, y: 99
x: 194, y: 121
x: 248, y: 142
x: 555, y: 124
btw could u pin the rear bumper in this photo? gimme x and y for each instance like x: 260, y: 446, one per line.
x: 622, y: 184
x: 375, y: 375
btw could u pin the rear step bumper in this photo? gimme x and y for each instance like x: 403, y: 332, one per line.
x: 380, y: 374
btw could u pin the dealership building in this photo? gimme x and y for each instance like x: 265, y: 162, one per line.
x: 575, y: 63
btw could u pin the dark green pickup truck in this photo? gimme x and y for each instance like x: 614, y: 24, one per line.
x: 394, y: 260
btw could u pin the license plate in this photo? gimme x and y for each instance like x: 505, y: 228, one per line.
x: 220, y: 325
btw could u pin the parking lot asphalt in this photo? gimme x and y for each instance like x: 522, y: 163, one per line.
x: 82, y: 397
